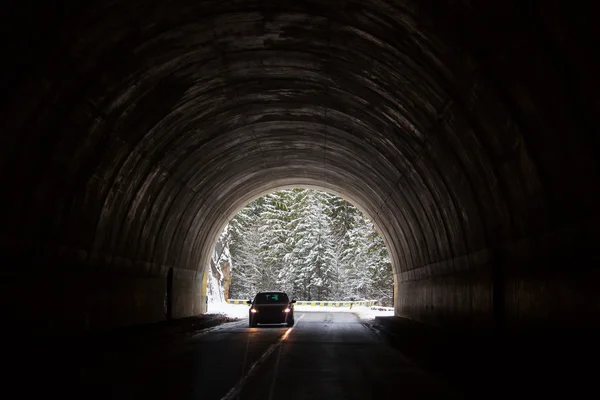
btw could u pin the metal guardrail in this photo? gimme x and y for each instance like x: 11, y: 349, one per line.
x: 377, y: 308
x: 336, y: 303
x: 320, y: 303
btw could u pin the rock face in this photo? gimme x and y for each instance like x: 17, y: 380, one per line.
x: 132, y: 132
x: 226, y: 269
x: 219, y: 272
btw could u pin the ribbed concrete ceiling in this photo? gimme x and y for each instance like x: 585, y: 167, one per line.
x: 142, y: 127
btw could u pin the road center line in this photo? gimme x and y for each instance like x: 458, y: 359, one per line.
x: 275, y: 373
x: 234, y: 391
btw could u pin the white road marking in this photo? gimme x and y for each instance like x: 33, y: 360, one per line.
x: 234, y: 391
x: 275, y: 373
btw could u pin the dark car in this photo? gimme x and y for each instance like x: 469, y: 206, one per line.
x: 271, y: 308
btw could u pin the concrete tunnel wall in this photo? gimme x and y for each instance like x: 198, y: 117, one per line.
x: 132, y: 130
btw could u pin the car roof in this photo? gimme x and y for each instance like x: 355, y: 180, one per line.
x: 272, y: 291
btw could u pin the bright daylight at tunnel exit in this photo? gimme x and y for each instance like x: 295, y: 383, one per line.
x: 315, y: 246
x: 305, y: 199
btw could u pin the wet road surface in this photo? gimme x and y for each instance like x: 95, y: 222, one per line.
x: 324, y: 356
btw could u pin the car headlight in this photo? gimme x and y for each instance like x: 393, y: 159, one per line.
x: 253, y: 310
x: 287, y: 310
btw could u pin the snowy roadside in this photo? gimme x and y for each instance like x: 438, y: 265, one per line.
x: 367, y: 313
x: 237, y: 311
x: 241, y: 310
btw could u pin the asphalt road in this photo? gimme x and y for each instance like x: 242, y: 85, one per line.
x: 324, y: 356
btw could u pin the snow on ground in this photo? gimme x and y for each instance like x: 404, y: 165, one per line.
x: 230, y: 310
x: 241, y: 310
x: 367, y: 313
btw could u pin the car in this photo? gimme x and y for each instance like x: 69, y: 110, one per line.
x: 271, y: 308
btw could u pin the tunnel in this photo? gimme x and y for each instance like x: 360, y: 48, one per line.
x: 133, y: 131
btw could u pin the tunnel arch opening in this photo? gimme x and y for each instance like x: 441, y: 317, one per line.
x: 355, y: 222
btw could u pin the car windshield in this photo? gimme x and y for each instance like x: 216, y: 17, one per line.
x: 271, y: 298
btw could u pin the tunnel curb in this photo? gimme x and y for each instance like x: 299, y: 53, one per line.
x: 497, y: 364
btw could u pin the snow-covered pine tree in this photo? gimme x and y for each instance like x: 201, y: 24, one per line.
x: 313, y: 253
x: 381, y: 285
x: 244, y: 247
x: 275, y: 237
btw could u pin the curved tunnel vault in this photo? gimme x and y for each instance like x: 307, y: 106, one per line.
x: 136, y: 130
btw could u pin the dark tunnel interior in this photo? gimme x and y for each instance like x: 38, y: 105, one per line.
x: 131, y: 131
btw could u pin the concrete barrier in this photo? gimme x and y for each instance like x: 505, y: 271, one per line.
x: 332, y: 303
x: 231, y: 301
